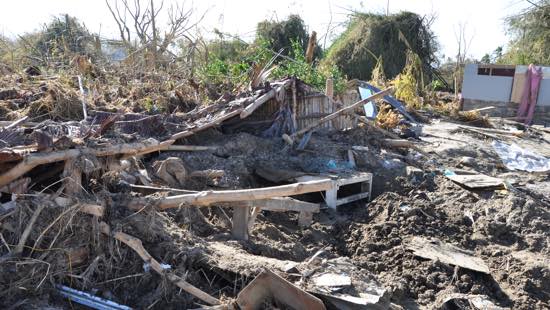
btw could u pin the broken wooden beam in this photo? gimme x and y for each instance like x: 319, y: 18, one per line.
x: 257, y: 103
x: 72, y: 177
x: 240, y: 219
x: 33, y: 160
x: 206, y: 198
x: 215, y: 122
x: 136, y: 245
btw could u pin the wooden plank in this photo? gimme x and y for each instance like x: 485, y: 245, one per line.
x: 475, y: 180
x: 206, y: 198
x: 279, y: 204
x: 446, y: 253
x: 240, y: 223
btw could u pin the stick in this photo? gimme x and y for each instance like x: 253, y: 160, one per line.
x: 206, y: 198
x: 137, y: 246
x: 343, y: 110
x: 190, y: 148
x: 27, y: 231
x: 31, y: 161
x: 480, y: 109
x: 17, y: 122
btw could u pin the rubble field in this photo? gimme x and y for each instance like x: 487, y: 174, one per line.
x: 186, y: 210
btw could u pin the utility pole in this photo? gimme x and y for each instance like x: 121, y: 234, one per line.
x: 388, y: 8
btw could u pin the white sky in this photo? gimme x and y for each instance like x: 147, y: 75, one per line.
x: 484, y: 18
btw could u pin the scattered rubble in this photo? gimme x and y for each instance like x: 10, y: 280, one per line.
x: 246, y: 203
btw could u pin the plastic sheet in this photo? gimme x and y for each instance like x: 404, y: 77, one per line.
x: 517, y: 158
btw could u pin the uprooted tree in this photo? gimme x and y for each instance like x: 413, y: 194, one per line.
x: 370, y: 36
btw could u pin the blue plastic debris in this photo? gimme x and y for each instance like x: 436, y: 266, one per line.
x: 389, y: 99
x: 89, y: 300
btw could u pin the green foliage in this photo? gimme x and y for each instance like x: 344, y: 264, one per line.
x: 235, y: 71
x: 495, y: 57
x: 386, y: 36
x: 530, y: 32
x: 233, y: 68
x: 280, y: 35
x: 307, y: 72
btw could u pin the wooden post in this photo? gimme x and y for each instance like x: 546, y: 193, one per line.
x: 329, y: 88
x: 305, y: 218
x: 332, y: 197
x: 311, y: 47
x: 240, y: 223
x: 294, y: 105
x: 73, y: 175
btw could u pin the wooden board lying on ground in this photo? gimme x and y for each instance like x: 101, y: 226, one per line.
x: 446, y: 253
x: 206, y: 198
x: 474, y: 180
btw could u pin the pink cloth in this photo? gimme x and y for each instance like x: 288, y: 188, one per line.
x: 526, y: 109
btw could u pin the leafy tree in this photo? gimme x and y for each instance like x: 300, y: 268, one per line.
x: 281, y: 34
x: 530, y: 32
x: 370, y: 36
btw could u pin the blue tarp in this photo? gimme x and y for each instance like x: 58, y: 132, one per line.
x: 389, y: 99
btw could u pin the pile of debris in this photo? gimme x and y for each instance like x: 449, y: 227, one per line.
x: 261, y: 200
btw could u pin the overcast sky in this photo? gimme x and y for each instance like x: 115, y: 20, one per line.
x: 484, y: 19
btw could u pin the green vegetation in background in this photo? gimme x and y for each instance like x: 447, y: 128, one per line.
x: 388, y: 37
x: 530, y: 32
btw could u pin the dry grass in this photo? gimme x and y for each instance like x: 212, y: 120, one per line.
x: 60, y: 103
x: 387, y: 118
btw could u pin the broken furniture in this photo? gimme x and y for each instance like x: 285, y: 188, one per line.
x: 333, y: 200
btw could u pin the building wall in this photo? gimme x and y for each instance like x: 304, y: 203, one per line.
x: 485, y: 87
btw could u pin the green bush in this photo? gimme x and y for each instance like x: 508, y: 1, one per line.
x: 371, y: 36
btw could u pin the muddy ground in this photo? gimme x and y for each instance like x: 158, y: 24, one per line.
x: 509, y: 229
